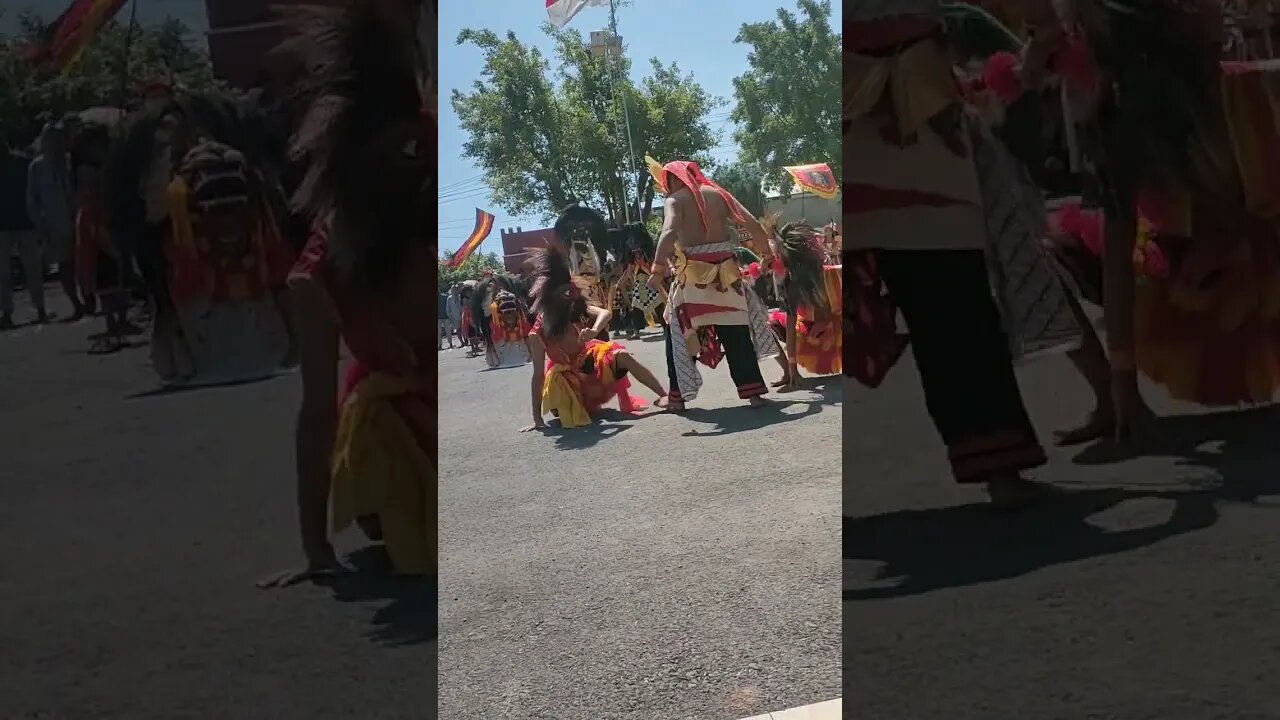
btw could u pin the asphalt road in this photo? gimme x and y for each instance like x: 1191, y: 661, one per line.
x: 134, y: 526
x: 1148, y: 590
x: 651, y: 567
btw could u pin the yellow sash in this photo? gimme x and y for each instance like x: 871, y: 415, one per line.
x: 379, y: 468
x: 723, y: 274
x: 558, y: 395
x: 919, y: 79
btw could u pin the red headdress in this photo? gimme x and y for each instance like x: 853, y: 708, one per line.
x: 690, y: 175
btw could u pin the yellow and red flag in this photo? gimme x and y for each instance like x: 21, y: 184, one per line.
x: 816, y: 178
x: 484, y: 226
x: 68, y: 35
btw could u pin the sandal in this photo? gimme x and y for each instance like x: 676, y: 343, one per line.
x: 106, y: 344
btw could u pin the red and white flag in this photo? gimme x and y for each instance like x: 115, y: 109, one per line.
x: 560, y: 12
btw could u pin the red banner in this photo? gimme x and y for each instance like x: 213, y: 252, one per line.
x: 817, y: 179
x: 484, y: 226
x: 68, y: 35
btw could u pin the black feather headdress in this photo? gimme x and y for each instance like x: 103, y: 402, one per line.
x: 1161, y: 117
x: 559, y: 296
x: 804, y: 285
x: 369, y: 135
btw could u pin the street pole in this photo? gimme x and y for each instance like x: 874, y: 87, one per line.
x: 626, y: 115
x: 124, y: 56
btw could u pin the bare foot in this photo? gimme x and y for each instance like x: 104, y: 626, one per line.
x: 783, y: 382
x: 757, y: 402
x: 666, y: 403
x: 1011, y: 492
x: 1099, y: 425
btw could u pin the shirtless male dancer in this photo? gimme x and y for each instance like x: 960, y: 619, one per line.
x: 712, y: 309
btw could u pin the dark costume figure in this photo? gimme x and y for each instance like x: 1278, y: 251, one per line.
x: 367, y: 280
x: 501, y: 304
x: 581, y: 232
x: 224, y: 259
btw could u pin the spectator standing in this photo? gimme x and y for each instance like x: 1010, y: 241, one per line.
x: 51, y: 206
x: 17, y: 235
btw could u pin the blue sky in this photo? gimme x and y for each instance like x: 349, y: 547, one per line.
x: 190, y: 12
x: 706, y: 50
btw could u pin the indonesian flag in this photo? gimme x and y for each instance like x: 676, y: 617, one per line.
x: 484, y: 226
x: 560, y: 12
x: 66, y: 37
x: 817, y: 179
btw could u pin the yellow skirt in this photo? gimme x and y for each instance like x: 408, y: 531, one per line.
x: 380, y: 468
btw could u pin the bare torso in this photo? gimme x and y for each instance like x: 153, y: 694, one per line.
x: 689, y: 229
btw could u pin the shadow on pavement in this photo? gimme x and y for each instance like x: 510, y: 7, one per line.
x: 603, y: 427
x: 744, y: 418
x: 410, y: 616
x: 926, y: 550
x: 178, y: 389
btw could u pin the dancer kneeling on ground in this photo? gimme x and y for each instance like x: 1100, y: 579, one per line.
x: 574, y: 373
x: 369, y: 457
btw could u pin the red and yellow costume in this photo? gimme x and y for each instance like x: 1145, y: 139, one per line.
x: 575, y: 388
x: 197, y: 270
x: 818, y: 340
x: 1208, y: 327
x: 384, y: 457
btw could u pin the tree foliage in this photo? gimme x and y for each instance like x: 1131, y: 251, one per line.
x: 743, y: 180
x: 471, y: 269
x: 31, y: 93
x: 788, y: 101
x: 546, y: 139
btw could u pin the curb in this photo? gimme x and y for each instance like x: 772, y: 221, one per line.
x: 829, y: 710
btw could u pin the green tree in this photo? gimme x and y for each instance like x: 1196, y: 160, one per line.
x: 31, y: 93
x: 743, y: 180
x: 546, y: 141
x: 471, y: 269
x: 788, y: 101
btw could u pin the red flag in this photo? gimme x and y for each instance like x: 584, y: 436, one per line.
x: 817, y: 179
x: 68, y: 35
x: 484, y: 225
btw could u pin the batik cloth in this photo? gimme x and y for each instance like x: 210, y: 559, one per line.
x: 709, y: 291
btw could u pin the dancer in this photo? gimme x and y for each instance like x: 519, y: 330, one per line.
x: 364, y: 282
x: 808, y: 325
x: 99, y: 261
x: 932, y: 256
x: 224, y: 255
x: 574, y: 372
x: 1190, y: 264
x: 51, y: 205
x: 580, y: 232
x: 711, y: 312
x: 502, y: 302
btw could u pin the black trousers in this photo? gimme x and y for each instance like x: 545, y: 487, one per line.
x: 744, y: 368
x: 962, y: 353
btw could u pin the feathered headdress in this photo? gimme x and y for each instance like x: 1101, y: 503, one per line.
x: 798, y: 247
x: 558, y: 295
x: 1162, y: 57
x: 369, y: 135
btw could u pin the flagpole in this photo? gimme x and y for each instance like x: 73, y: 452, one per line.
x: 124, y: 55
x: 626, y: 115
